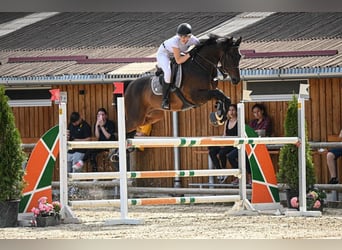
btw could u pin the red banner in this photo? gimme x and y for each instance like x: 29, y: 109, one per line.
x: 55, y: 96
x: 118, y: 87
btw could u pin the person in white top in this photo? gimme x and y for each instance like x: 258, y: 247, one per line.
x: 175, y: 47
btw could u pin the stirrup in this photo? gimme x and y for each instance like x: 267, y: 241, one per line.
x: 165, y: 104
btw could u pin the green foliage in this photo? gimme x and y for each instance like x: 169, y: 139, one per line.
x: 288, y: 156
x: 11, y: 154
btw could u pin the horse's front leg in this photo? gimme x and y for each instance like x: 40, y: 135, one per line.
x: 219, y: 95
x: 222, y: 106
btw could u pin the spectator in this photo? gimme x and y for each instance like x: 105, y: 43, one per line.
x: 230, y: 129
x: 78, y: 130
x: 105, y: 130
x: 261, y: 123
x: 263, y: 126
x: 332, y: 156
x: 233, y: 158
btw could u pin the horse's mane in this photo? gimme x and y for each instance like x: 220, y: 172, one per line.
x: 213, y: 39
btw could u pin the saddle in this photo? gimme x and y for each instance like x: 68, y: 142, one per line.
x: 176, y: 83
x: 176, y: 78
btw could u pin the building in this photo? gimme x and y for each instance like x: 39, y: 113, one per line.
x: 84, y: 53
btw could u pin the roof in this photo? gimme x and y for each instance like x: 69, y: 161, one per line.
x: 109, y: 35
x: 296, y: 32
x: 95, y: 35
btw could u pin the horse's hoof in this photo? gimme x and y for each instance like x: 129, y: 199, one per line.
x: 213, y: 119
x: 220, y: 122
x: 114, y: 155
x: 218, y: 117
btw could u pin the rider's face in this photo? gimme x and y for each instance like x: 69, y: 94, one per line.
x: 184, y: 38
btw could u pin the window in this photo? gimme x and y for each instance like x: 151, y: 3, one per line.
x: 275, y: 90
x: 29, y: 97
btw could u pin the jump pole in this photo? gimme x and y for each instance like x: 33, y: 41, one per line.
x: 66, y: 213
x: 155, y: 174
x: 157, y: 201
x: 243, y: 205
x: 123, y: 170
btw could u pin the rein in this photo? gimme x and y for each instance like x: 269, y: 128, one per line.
x: 222, y: 71
x: 207, y: 61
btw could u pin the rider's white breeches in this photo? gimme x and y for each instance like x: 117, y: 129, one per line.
x: 163, y: 61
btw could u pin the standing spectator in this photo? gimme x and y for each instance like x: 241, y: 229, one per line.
x: 78, y: 130
x: 105, y: 130
x: 332, y: 156
x: 230, y: 129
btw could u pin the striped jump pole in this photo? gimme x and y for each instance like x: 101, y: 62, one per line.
x: 157, y: 201
x: 155, y: 174
x: 92, y: 144
x: 157, y: 142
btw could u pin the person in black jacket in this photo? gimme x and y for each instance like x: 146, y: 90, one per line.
x: 78, y: 130
x: 104, y: 130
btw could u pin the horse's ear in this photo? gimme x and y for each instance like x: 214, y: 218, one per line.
x: 238, y: 41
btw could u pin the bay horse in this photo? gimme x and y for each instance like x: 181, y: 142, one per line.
x: 198, y: 83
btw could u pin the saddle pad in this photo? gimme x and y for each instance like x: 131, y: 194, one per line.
x: 157, y: 87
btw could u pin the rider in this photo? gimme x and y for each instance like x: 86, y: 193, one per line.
x: 173, y: 47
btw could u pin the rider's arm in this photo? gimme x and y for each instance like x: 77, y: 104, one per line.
x: 178, y: 57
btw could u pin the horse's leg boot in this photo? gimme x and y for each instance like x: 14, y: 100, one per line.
x: 166, y: 92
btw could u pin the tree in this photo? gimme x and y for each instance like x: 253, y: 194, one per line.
x: 288, y: 156
x: 12, y: 155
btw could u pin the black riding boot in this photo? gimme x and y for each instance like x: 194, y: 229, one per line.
x: 166, y: 91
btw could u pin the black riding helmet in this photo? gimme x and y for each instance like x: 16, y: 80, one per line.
x: 184, y: 29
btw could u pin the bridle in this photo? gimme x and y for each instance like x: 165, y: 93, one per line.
x: 214, y: 65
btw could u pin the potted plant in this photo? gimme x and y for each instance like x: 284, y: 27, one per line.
x: 288, y: 157
x: 46, y: 214
x: 12, y: 158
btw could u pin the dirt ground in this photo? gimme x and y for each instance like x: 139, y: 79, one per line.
x: 199, y: 221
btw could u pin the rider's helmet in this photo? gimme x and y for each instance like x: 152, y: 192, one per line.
x: 184, y: 29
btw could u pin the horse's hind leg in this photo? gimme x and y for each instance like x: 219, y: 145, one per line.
x: 135, y: 116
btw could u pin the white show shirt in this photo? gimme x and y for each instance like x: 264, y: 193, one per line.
x: 165, y: 51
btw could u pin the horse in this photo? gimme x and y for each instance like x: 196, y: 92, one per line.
x: 198, y: 83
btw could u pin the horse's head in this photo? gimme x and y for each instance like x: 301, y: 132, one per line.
x: 231, y: 58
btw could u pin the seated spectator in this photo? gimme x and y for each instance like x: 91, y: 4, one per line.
x: 78, y: 130
x: 332, y: 156
x: 261, y: 123
x: 263, y: 126
x: 218, y: 154
x: 105, y: 130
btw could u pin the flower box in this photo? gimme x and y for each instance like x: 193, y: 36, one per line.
x: 48, y: 221
x: 46, y: 214
x: 314, y: 200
